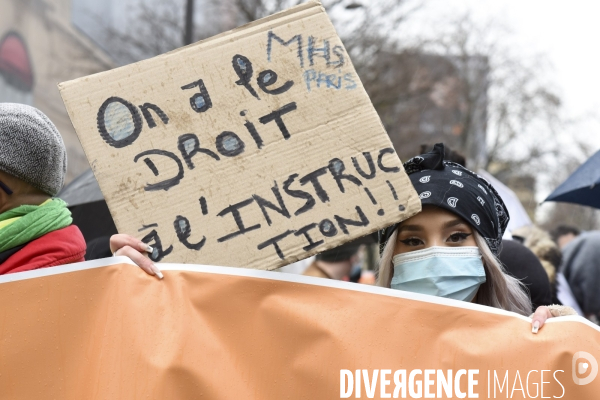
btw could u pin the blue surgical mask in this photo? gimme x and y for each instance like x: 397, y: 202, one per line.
x: 451, y: 272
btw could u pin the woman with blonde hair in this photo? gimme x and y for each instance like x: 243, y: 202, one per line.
x: 450, y: 248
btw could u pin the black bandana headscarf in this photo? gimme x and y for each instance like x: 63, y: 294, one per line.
x: 453, y: 187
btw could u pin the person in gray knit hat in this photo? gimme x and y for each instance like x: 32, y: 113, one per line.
x: 36, y: 229
x: 32, y: 149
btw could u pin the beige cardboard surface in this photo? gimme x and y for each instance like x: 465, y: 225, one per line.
x: 255, y: 148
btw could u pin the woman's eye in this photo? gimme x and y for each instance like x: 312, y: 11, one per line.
x: 458, y: 237
x: 412, y: 242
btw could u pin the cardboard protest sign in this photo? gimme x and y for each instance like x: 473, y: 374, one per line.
x: 255, y: 148
x: 63, y: 335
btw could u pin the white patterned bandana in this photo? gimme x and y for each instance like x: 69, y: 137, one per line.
x: 453, y: 187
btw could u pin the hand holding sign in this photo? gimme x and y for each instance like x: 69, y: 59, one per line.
x: 125, y: 245
x: 255, y: 148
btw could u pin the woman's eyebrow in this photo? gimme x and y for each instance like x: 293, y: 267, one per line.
x: 452, y: 223
x: 410, y: 228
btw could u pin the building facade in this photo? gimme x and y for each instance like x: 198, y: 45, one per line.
x: 39, y: 48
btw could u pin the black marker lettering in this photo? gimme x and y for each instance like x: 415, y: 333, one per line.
x: 203, y: 205
x: 112, y: 126
x: 229, y: 144
x: 327, y: 228
x: 184, y: 230
x: 234, y: 209
x: 151, y: 165
x: 393, y: 190
x: 199, y: 102
x: 153, y: 240
x: 264, y: 204
x: 268, y: 78
x: 299, y: 194
x: 189, y: 145
x: 243, y: 68
x: 146, y: 107
x: 382, y: 167
x: 344, y: 222
x: 370, y: 196
x: 276, y: 116
x: 337, y: 167
x: 313, y: 178
x: 274, y: 241
x: 252, y: 130
x: 144, y: 227
x: 370, y: 164
x: 167, y: 183
x: 304, y: 231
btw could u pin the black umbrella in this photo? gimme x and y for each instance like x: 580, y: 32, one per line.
x: 583, y: 186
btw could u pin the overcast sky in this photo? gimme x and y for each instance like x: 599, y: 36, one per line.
x: 566, y: 32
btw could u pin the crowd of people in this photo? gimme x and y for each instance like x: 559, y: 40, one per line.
x: 454, y: 248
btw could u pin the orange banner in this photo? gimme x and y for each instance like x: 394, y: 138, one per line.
x: 106, y: 330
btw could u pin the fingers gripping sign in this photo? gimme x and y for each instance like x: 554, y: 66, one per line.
x: 539, y: 318
x: 136, y: 250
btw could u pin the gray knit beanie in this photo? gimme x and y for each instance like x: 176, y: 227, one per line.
x: 31, y: 149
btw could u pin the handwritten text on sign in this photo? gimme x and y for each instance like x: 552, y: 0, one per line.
x: 255, y: 148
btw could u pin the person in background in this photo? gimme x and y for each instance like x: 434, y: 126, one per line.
x: 581, y: 268
x: 450, y: 248
x: 339, y: 263
x: 521, y: 263
x: 542, y: 245
x: 564, y: 234
x: 550, y: 255
x: 35, y: 227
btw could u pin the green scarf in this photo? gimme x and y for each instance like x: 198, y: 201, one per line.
x: 33, y: 222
